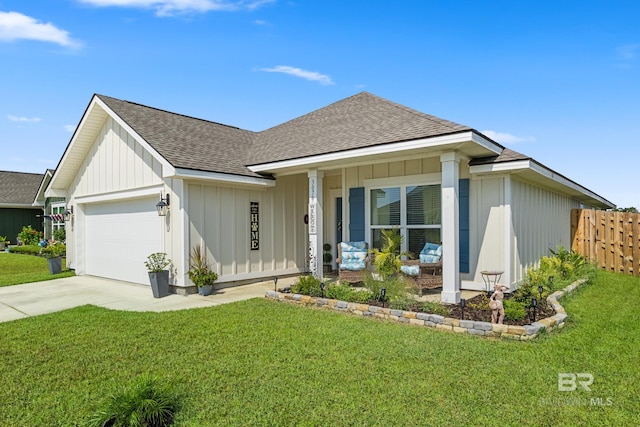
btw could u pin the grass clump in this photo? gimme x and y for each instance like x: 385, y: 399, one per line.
x: 148, y: 402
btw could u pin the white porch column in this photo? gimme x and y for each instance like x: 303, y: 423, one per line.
x: 450, y: 228
x: 315, y: 222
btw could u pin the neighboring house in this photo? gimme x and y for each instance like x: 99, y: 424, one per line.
x: 53, y: 207
x: 17, y: 192
x: 263, y: 203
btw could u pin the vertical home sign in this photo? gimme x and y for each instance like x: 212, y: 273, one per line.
x: 254, y: 225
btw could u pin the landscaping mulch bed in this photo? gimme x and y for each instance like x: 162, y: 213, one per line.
x: 479, y: 314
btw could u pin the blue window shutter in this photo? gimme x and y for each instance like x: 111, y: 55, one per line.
x: 356, y: 214
x: 463, y: 204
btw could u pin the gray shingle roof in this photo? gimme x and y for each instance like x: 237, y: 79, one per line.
x: 19, y: 188
x: 362, y: 120
x: 507, y: 155
x: 187, y: 142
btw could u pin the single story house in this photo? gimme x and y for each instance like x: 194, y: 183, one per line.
x: 17, y: 193
x: 264, y: 203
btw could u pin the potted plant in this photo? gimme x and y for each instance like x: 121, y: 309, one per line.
x: 200, y: 272
x: 3, y: 239
x: 53, y: 253
x: 158, y: 276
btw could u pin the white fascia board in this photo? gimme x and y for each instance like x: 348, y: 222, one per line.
x: 40, y: 195
x: 548, y: 173
x: 500, y: 167
x: 167, y: 168
x: 539, y: 169
x: 369, y: 151
x: 489, y: 145
x: 223, y: 178
x: 136, y: 193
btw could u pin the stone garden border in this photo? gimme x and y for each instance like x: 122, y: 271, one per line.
x: 486, y: 329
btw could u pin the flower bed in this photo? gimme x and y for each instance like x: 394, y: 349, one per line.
x: 474, y: 327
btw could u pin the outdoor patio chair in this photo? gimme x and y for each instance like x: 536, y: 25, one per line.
x: 353, y: 260
x: 426, y: 271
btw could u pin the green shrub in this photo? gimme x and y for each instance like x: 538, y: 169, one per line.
x: 395, y: 287
x: 402, y: 302
x: 307, y: 285
x: 435, y: 308
x: 26, y: 250
x: 514, y: 310
x: 60, y: 234
x: 563, y: 266
x: 344, y: 292
x: 147, y: 402
x: 28, y: 236
x: 54, y: 250
x: 388, y: 259
x: 483, y: 304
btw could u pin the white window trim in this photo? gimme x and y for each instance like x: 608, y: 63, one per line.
x: 402, y: 182
x: 57, y: 224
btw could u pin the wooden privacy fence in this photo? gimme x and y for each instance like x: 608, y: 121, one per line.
x: 611, y: 239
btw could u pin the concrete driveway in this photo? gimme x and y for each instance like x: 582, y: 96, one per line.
x: 32, y: 299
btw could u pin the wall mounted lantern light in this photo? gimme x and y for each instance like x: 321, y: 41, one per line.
x: 163, y: 205
x: 68, y: 213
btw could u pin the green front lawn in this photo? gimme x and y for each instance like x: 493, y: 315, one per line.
x: 259, y: 362
x: 18, y: 268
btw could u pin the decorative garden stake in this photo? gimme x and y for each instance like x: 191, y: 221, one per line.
x: 322, y: 288
x: 275, y: 283
x: 463, y: 303
x: 383, y: 293
x: 534, y: 304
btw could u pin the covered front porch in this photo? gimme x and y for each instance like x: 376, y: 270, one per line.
x: 420, y: 187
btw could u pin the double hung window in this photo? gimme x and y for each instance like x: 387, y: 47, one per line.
x: 414, y: 209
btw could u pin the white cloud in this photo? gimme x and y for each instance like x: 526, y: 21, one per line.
x: 23, y: 119
x: 629, y: 51
x: 298, y: 72
x: 507, y: 138
x: 69, y: 128
x: 173, y: 7
x: 16, y: 26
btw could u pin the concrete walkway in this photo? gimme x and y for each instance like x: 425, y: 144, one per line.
x: 32, y: 299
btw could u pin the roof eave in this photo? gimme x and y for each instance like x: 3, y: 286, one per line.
x: 392, y: 147
x: 576, y: 190
x: 223, y: 178
x: 82, y: 139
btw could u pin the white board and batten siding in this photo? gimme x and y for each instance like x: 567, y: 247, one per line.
x: 542, y: 220
x: 115, y: 224
x: 514, y: 224
x: 219, y: 219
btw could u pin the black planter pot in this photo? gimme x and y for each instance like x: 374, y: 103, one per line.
x: 55, y: 265
x: 159, y: 283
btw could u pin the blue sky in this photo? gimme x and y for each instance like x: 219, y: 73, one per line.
x: 556, y: 80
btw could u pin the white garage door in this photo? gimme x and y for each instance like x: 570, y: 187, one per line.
x: 118, y: 238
